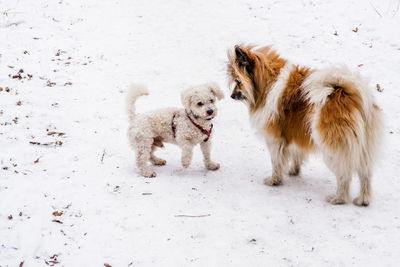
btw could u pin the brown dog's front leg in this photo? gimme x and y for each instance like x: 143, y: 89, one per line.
x: 279, y: 157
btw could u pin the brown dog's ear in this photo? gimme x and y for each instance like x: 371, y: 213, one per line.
x: 214, y: 88
x: 244, y: 59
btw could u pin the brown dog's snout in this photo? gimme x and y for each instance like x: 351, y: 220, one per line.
x: 237, y: 96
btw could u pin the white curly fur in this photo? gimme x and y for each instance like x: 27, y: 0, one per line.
x: 150, y: 130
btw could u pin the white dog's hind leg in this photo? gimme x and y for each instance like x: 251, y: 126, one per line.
x: 206, y: 149
x: 143, y: 154
x: 279, y: 157
x: 154, y: 159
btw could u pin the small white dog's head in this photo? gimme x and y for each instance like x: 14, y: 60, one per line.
x: 200, y: 100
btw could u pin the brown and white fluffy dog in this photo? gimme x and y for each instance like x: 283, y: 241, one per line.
x: 300, y: 110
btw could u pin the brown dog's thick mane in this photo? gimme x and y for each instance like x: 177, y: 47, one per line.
x: 266, y: 72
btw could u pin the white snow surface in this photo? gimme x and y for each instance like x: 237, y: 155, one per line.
x: 83, y: 55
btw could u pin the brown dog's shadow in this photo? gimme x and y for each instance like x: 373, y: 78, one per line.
x: 313, y: 183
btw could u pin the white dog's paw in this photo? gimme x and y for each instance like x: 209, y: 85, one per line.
x: 272, y: 181
x: 336, y: 200
x: 213, y: 166
x: 361, y: 201
x: 185, y: 164
x: 158, y: 162
x: 149, y: 174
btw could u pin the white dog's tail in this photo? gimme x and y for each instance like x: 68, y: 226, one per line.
x: 135, y: 91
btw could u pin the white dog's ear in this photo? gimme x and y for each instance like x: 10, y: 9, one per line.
x: 214, y: 88
x: 186, y: 97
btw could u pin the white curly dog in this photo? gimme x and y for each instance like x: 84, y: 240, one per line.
x: 185, y: 127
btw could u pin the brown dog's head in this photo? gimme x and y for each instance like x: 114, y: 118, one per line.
x: 241, y: 73
x: 252, y: 72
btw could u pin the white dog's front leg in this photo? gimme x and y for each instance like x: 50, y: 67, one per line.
x: 206, y: 149
x: 187, y: 152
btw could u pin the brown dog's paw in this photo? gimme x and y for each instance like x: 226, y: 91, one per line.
x: 361, y: 201
x: 335, y: 200
x: 295, y: 170
x: 273, y: 181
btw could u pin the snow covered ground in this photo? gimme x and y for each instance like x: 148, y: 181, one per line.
x: 79, y: 201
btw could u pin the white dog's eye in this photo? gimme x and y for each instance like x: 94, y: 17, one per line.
x: 200, y: 104
x: 238, y: 82
x: 211, y: 100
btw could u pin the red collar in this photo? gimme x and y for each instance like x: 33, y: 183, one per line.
x: 204, y: 131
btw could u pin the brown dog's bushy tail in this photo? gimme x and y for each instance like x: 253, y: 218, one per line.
x: 347, y: 117
x: 135, y: 91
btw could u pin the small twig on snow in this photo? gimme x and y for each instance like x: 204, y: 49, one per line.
x: 102, y: 157
x: 377, y: 12
x: 56, y: 143
x: 192, y: 216
x: 13, y: 24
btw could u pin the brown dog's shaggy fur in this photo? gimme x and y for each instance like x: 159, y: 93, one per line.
x: 299, y: 110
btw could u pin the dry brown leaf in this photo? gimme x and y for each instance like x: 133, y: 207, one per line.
x: 58, y: 213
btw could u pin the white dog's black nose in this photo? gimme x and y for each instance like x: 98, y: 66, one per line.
x: 210, y: 111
